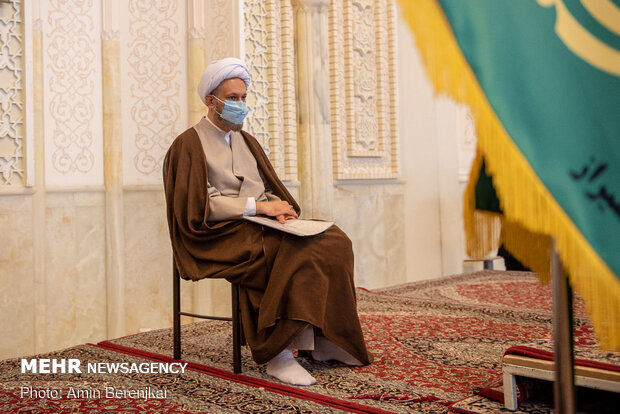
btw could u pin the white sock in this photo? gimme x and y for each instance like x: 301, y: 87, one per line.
x: 284, y: 367
x: 325, y: 350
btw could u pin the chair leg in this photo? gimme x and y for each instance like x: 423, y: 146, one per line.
x: 236, y: 322
x: 176, y: 312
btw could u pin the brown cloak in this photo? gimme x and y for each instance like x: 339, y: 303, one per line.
x: 286, y: 282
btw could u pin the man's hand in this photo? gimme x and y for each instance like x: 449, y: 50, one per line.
x: 281, y: 210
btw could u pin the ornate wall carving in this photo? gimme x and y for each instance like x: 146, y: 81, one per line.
x: 255, y: 14
x: 363, y: 89
x: 221, y: 30
x: 289, y: 109
x: 11, y: 96
x: 362, y: 85
x: 195, y: 58
x: 154, y: 59
x: 73, y: 92
x: 269, y: 53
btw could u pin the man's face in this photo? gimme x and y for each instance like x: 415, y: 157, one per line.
x: 229, y: 90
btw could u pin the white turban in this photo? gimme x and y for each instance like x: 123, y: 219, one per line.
x: 220, y: 70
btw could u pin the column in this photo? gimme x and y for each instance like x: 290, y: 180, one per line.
x: 195, y: 59
x: 314, y: 144
x: 38, y: 198
x: 113, y: 168
x: 208, y: 292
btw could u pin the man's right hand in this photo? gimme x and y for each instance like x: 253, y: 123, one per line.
x: 281, y: 210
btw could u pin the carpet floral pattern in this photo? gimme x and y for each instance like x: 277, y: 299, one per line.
x: 435, y: 343
x: 189, y: 392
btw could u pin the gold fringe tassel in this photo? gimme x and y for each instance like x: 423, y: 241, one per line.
x: 531, y: 214
x: 482, y: 227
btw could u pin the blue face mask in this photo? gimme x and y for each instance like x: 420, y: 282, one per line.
x: 234, y: 111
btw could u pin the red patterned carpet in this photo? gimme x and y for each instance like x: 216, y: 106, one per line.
x: 435, y: 343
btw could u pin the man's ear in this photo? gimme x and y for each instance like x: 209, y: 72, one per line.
x: 210, y: 101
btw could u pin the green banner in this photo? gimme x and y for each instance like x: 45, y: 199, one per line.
x: 558, y: 99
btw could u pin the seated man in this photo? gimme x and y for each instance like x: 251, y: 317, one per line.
x: 295, y: 292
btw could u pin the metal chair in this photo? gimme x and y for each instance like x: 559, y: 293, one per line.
x: 176, y: 319
x: 237, y: 332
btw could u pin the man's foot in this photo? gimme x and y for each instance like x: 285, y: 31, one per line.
x: 325, y: 350
x: 284, y: 367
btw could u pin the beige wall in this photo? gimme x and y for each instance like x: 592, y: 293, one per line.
x: 54, y: 286
x: 428, y: 137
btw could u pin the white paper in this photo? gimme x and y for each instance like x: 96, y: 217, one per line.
x: 297, y: 227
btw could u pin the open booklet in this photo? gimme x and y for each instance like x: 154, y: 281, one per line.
x: 297, y: 227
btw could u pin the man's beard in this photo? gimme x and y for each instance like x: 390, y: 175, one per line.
x: 226, y: 124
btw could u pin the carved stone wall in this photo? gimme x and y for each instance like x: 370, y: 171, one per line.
x: 72, y: 78
x: 11, y: 96
x: 287, y: 76
x: 269, y: 54
x: 222, y: 30
x: 363, y: 89
x: 61, y: 233
x: 363, y: 99
x: 153, y: 52
x: 256, y: 18
x: 72, y: 106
